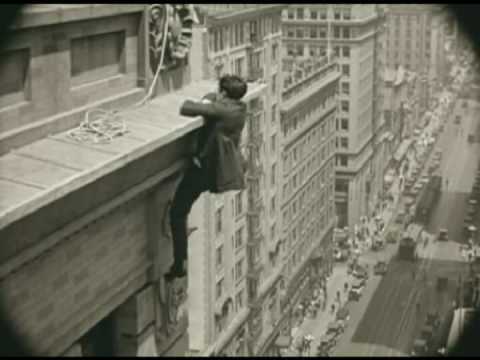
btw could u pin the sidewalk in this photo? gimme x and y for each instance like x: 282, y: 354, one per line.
x: 318, y: 326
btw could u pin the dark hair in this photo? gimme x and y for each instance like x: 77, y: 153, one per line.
x: 234, y: 86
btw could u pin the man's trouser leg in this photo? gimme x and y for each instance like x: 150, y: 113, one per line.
x: 190, y: 188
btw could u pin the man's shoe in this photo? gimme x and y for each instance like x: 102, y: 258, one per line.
x: 173, y: 273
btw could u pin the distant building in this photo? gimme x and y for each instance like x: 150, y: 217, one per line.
x: 308, y: 113
x: 416, y: 40
x: 351, y: 32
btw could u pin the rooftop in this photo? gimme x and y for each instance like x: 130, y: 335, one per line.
x: 41, y: 172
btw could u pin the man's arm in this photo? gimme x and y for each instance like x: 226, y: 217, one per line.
x: 193, y: 108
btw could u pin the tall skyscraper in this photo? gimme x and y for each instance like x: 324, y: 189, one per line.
x: 234, y: 300
x: 348, y: 32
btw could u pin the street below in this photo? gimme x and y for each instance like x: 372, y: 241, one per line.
x: 391, y: 313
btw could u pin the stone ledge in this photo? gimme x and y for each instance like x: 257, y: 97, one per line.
x: 41, y: 15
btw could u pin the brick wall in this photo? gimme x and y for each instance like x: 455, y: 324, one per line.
x: 60, y: 294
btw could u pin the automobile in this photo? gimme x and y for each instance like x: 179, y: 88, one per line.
x: 420, y: 347
x: 380, y: 268
x: 327, y: 342
x: 335, y: 328
x: 343, y: 314
x: 433, y: 319
x: 356, y: 291
x: 378, y: 244
x: 341, y: 254
x: 360, y: 273
x: 400, y: 217
x: 443, y: 235
x: 392, y: 237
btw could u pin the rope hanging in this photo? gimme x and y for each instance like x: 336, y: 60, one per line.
x: 102, y: 126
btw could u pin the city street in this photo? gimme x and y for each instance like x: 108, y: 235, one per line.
x: 392, y: 310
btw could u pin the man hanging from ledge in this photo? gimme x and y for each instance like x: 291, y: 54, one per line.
x: 217, y: 166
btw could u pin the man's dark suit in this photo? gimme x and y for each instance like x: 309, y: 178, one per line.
x: 226, y: 116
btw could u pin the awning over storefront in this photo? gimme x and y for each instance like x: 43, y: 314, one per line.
x: 402, y: 150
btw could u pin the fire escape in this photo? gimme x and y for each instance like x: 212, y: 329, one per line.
x: 254, y: 228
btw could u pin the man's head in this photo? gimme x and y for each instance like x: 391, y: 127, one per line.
x: 232, y: 86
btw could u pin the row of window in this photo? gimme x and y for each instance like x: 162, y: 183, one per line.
x: 317, y: 50
x: 237, y: 271
x: 311, y: 236
x: 316, y: 32
x: 314, y: 140
x: 239, y: 34
x: 318, y: 13
x: 303, y: 117
x: 312, y: 198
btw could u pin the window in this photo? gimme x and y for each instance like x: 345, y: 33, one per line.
x: 96, y: 57
x: 239, y: 238
x: 313, y: 32
x: 336, y: 32
x: 344, y: 123
x: 290, y: 33
x: 336, y: 14
x: 274, y: 52
x: 239, y: 301
x: 323, y: 14
x: 345, y: 106
x: 218, y: 220
x: 345, y: 88
x: 346, y: 33
x: 290, y: 50
x: 343, y: 160
x: 300, y: 49
x: 14, y: 69
x: 299, y: 33
x: 300, y: 13
x: 219, y: 289
x: 238, y: 269
x: 344, y: 142
x: 273, y: 204
x: 337, y: 51
x: 347, y: 15
x: 322, y: 33
x: 238, y: 204
x: 272, y: 179
x: 219, y: 256
x: 291, y: 14
x: 274, y: 84
x: 346, y: 70
x: 239, y: 66
x: 273, y: 142
x: 274, y: 113
x: 346, y: 51
x: 313, y: 14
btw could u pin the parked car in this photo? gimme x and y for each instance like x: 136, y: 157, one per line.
x: 356, y: 291
x: 380, y: 268
x: 443, y: 235
x: 392, y: 237
x: 400, y: 217
x: 341, y: 254
x: 359, y: 272
x: 335, y: 328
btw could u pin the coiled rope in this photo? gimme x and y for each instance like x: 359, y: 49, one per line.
x: 102, y: 126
